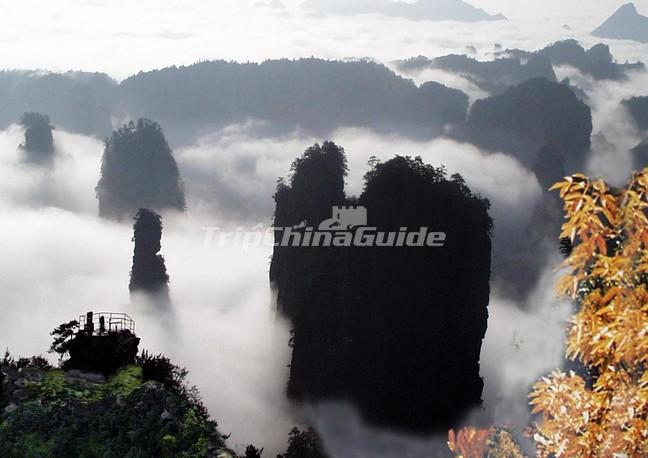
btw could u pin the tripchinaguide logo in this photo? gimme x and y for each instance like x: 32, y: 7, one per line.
x: 347, y: 227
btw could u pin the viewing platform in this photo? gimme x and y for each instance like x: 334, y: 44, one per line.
x: 101, y: 323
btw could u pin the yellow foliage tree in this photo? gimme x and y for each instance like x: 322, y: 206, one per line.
x: 468, y: 442
x: 603, y: 414
x: 483, y: 443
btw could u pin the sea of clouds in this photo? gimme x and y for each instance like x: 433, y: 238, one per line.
x: 60, y: 260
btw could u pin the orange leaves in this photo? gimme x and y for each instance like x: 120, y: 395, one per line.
x: 578, y: 422
x: 591, y: 211
x: 609, y: 333
x: 569, y: 410
x: 483, y: 443
x: 468, y: 442
x: 567, y: 286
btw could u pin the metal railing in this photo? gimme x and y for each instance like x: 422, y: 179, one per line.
x: 98, y: 323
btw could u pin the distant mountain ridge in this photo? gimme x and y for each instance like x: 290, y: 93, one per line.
x: 435, y: 10
x: 315, y: 95
x: 493, y: 76
x: 514, y: 66
x: 625, y: 24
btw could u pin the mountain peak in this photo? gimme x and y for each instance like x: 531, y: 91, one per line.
x: 455, y: 10
x: 625, y: 24
x: 628, y: 8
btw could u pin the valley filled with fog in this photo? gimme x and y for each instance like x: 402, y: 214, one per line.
x: 290, y: 78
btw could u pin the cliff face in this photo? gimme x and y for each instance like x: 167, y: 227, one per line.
x: 395, y: 330
x: 149, y: 274
x: 47, y: 412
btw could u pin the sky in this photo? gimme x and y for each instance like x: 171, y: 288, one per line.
x: 122, y: 38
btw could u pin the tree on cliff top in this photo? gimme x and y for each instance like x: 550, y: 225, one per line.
x: 138, y: 171
x: 39, y: 142
x: 317, y: 181
x: 351, y: 306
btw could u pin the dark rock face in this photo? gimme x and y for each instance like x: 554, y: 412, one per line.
x: 138, y: 171
x: 102, y: 353
x: 532, y: 116
x: 625, y: 24
x: 638, y: 109
x: 397, y: 331
x: 39, y: 142
x: 149, y: 273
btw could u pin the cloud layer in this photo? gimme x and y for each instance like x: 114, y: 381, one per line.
x: 60, y: 260
x: 123, y: 38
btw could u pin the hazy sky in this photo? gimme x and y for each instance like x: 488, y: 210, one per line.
x: 121, y: 37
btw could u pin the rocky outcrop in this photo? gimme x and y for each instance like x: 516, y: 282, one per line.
x: 149, y: 274
x: 395, y: 330
x: 39, y: 141
x: 138, y: 170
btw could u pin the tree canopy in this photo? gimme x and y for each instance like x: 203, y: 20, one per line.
x: 138, y: 171
x: 351, y: 306
x: 603, y: 412
x: 39, y: 141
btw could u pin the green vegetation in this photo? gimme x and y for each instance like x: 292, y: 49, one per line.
x: 125, y: 381
x: 46, y: 412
